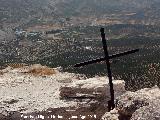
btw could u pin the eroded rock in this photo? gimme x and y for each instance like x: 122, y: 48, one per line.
x: 150, y: 112
x: 10, y: 100
x: 97, y: 88
x: 140, y: 105
x: 112, y: 115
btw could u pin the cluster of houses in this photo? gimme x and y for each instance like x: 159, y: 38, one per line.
x: 22, y: 34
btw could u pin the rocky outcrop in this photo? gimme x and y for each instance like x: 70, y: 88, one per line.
x: 97, y: 87
x: 93, y: 93
x: 142, y: 104
x: 30, y: 90
x: 150, y: 112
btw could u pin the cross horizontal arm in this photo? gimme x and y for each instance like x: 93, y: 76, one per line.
x: 123, y: 54
x: 89, y: 62
x: 102, y: 59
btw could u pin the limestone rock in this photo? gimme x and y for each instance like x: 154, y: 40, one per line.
x: 140, y: 105
x: 10, y: 100
x: 150, y: 112
x: 129, y: 102
x: 97, y: 87
x: 23, y: 93
x: 112, y: 115
x: 91, y: 94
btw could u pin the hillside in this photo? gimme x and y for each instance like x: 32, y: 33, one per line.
x: 2, y: 35
x: 95, y: 7
x: 18, y: 9
x: 46, y: 11
x: 66, y: 47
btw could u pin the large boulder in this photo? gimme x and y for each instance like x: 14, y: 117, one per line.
x: 97, y: 87
x: 150, y: 112
x: 112, y: 115
x: 142, y: 104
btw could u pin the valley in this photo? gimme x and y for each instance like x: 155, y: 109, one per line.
x: 67, y: 46
x: 42, y: 40
x: 59, y: 33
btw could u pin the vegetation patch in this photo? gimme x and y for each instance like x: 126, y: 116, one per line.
x: 42, y: 71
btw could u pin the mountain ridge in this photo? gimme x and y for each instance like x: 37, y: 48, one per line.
x: 13, y: 11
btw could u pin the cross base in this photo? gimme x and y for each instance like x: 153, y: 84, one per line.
x: 111, y: 105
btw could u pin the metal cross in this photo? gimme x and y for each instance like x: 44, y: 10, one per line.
x: 111, y: 104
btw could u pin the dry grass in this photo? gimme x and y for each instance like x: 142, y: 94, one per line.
x: 34, y: 69
x: 42, y: 71
x: 16, y: 65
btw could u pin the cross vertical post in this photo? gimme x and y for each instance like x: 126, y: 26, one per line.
x: 111, y: 104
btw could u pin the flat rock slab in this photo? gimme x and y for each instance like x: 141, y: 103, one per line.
x: 94, y: 88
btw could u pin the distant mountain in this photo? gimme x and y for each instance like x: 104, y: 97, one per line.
x: 16, y: 10
x: 90, y: 7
